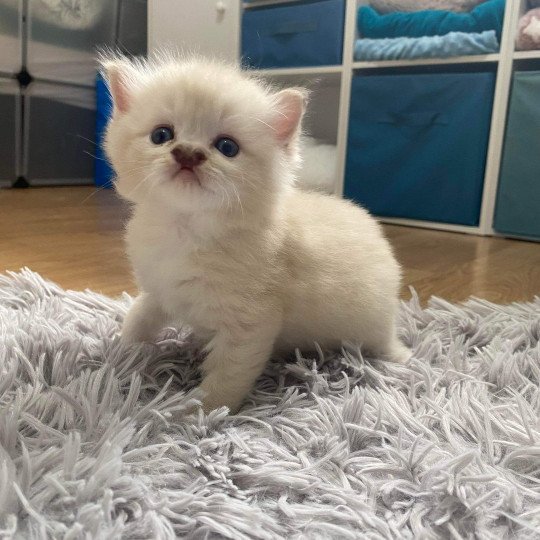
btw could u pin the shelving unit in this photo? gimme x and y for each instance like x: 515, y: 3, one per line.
x: 502, y: 62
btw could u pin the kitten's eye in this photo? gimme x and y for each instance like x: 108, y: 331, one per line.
x: 227, y: 146
x: 162, y: 134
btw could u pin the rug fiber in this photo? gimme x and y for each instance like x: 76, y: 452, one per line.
x: 100, y: 441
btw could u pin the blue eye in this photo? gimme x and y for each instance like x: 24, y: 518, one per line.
x: 162, y: 134
x: 227, y: 146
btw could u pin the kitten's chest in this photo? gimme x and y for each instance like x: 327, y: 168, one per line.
x: 202, y: 283
x: 165, y: 264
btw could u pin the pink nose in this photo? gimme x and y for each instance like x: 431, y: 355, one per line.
x: 188, y: 158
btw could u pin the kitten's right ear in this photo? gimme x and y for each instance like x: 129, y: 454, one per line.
x: 119, y: 75
x: 289, y: 107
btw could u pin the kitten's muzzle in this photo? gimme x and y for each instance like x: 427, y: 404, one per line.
x: 188, y: 157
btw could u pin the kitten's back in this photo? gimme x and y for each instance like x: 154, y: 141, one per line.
x: 340, y: 273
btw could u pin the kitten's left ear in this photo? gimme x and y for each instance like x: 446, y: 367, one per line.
x: 120, y: 76
x: 289, y: 108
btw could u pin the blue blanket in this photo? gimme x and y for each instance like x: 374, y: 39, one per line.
x: 486, y: 16
x: 452, y: 44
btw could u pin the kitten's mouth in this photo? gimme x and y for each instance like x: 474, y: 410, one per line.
x: 187, y: 175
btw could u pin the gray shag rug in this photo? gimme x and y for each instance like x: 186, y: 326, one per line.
x: 97, y: 441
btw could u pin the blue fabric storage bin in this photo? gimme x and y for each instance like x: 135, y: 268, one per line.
x: 417, y: 144
x: 103, y: 172
x: 294, y: 35
x: 518, y: 199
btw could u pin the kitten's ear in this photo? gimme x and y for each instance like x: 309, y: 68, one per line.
x: 120, y: 76
x: 289, y: 108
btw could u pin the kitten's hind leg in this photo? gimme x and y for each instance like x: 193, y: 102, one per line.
x: 143, y: 321
x: 392, y: 351
x: 384, y: 344
x: 398, y: 353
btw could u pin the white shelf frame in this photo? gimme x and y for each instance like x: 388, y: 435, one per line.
x: 498, y: 116
x: 427, y: 61
x: 527, y: 55
x: 263, y: 3
x: 504, y: 61
x: 285, y: 72
x: 422, y: 224
x: 349, y: 34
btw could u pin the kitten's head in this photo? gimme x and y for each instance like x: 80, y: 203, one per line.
x: 199, y: 135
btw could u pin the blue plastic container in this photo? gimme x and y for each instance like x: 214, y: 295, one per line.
x: 103, y: 172
x: 294, y: 35
x: 518, y: 200
x: 418, y: 143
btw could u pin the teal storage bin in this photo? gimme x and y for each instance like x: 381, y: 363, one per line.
x: 417, y: 144
x: 297, y: 34
x: 518, y: 200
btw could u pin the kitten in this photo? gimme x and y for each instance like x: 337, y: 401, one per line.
x: 221, y: 239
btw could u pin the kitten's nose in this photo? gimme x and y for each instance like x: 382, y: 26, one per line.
x: 188, y: 157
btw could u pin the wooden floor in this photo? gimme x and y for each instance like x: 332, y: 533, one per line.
x: 74, y: 236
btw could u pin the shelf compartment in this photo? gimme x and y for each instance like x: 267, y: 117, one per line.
x: 64, y: 49
x: 294, y: 35
x: 418, y: 145
x: 321, y: 118
x: 58, y: 145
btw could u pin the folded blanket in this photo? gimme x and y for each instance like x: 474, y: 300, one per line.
x: 486, y: 16
x: 452, y: 44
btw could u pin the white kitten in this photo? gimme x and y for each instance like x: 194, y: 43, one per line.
x: 219, y: 239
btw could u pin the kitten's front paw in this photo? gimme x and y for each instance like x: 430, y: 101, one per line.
x: 127, y: 340
x: 209, y: 404
x: 143, y: 321
x: 132, y: 336
x: 214, y: 399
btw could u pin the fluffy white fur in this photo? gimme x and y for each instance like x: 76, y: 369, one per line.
x: 318, y: 171
x: 252, y: 264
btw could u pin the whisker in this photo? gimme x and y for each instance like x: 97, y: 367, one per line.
x: 243, y: 179
x: 229, y: 203
x: 263, y: 122
x: 93, y: 193
x: 95, y: 157
x: 142, y: 182
x: 84, y: 138
x: 236, y: 192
